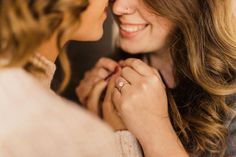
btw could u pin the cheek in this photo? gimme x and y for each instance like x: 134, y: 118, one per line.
x: 161, y: 31
x: 161, y: 24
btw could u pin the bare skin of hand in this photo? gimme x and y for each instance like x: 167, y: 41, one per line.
x: 93, y: 84
x: 142, y: 97
x: 100, y: 78
x: 110, y: 115
x: 141, y: 100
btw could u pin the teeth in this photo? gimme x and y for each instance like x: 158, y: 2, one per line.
x: 132, y: 28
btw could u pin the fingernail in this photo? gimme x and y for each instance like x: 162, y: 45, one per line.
x: 122, y: 63
x: 116, y: 69
x: 111, y: 74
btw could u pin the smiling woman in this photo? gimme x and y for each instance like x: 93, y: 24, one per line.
x: 143, y: 31
x: 192, y: 46
x: 179, y: 99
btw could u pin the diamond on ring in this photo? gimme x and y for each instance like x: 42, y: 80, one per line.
x: 120, y: 85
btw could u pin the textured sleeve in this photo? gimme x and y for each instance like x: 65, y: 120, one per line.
x: 231, y: 141
x: 128, y: 144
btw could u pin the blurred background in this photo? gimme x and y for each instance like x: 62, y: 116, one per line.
x: 83, y: 56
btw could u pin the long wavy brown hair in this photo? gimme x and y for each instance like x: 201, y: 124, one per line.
x: 26, y: 24
x: 203, y: 48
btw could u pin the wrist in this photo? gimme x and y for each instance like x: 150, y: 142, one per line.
x: 160, y: 140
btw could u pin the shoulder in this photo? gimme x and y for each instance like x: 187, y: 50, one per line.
x: 35, y: 120
x: 231, y: 100
x: 231, y: 140
x: 231, y: 125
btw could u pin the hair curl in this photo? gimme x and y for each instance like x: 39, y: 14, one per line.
x: 203, y: 48
x: 26, y: 24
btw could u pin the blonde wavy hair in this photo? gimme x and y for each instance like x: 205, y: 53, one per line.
x: 26, y: 24
x: 203, y: 48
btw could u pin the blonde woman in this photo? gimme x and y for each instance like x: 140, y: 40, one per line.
x: 35, y: 122
x: 181, y: 101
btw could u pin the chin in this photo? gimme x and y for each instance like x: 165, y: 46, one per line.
x: 131, y: 49
x: 96, y: 35
x: 90, y: 36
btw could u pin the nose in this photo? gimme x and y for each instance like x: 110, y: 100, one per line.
x: 122, y: 7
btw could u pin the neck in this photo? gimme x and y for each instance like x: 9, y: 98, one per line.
x: 49, y: 49
x: 163, y: 62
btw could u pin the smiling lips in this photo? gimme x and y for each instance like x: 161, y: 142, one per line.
x: 132, y: 27
x: 130, y: 30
